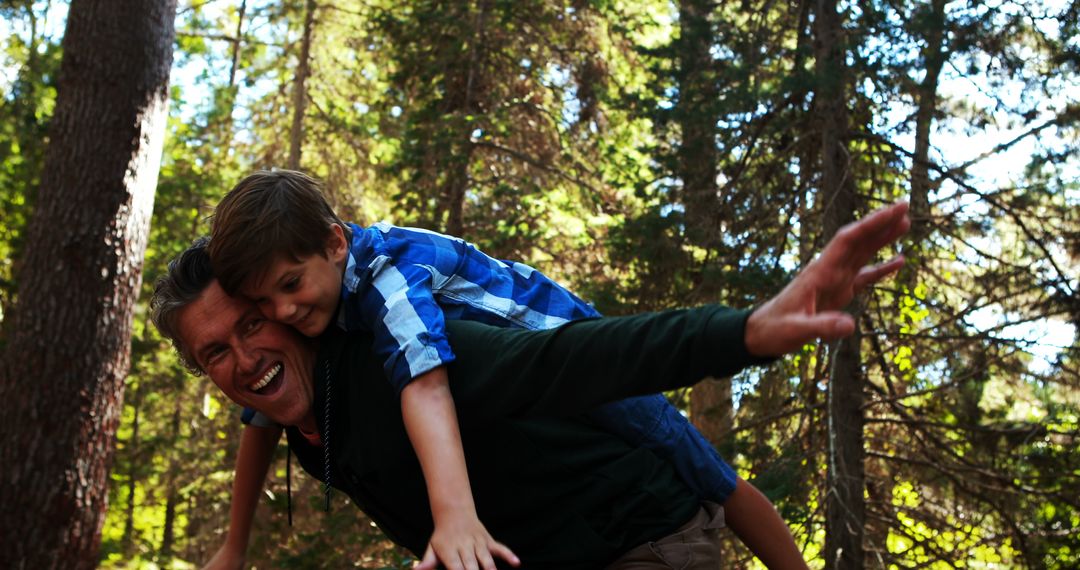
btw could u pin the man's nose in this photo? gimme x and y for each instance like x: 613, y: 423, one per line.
x: 247, y: 359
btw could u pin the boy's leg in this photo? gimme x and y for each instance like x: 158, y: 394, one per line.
x: 755, y: 520
x: 652, y: 422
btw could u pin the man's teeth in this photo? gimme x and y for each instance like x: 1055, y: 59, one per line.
x: 266, y: 379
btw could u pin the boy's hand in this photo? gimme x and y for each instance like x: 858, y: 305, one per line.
x: 226, y: 558
x: 810, y: 306
x: 462, y: 543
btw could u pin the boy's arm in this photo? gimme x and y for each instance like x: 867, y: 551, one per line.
x: 252, y: 462
x: 460, y: 539
x: 755, y: 521
x: 409, y: 330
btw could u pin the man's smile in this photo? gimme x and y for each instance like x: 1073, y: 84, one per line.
x: 273, y: 374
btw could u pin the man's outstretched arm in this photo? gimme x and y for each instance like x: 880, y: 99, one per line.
x: 644, y: 354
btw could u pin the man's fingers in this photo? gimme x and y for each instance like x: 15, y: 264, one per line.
x: 874, y: 273
x: 856, y: 243
x: 825, y: 326
x: 897, y: 224
x: 836, y: 325
x: 881, y: 226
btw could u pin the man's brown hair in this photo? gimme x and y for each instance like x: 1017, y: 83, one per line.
x: 267, y: 215
x: 188, y: 277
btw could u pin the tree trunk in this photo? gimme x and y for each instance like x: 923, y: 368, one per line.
x: 61, y: 380
x: 880, y: 480
x: 698, y: 114
x: 844, y: 503
x: 303, y: 70
x: 238, y: 42
x: 933, y: 59
x: 461, y: 93
x: 222, y: 124
x: 710, y: 402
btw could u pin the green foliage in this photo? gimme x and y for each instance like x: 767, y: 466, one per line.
x: 570, y: 135
x: 30, y: 59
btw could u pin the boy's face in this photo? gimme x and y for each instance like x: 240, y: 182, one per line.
x: 303, y: 294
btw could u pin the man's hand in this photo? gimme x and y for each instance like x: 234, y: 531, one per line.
x: 811, y: 305
x: 462, y: 543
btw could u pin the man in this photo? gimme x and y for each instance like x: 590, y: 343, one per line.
x: 562, y: 493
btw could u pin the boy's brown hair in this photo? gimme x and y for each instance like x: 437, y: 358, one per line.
x: 267, y: 215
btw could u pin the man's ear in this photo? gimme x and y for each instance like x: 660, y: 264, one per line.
x: 336, y: 245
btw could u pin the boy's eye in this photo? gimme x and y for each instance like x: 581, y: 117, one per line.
x: 292, y: 284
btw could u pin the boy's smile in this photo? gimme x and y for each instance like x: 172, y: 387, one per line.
x: 303, y: 293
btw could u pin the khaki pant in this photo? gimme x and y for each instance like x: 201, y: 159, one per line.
x: 696, y: 545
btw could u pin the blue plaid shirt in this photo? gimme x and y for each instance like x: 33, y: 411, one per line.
x: 403, y: 283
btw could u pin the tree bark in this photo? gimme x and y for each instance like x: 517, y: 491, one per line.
x: 934, y: 56
x: 844, y: 503
x: 462, y: 103
x: 238, y: 42
x: 223, y: 122
x: 880, y: 480
x: 698, y: 115
x: 62, y: 374
x: 710, y: 402
x: 303, y: 70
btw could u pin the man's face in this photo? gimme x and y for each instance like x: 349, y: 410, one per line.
x: 257, y: 363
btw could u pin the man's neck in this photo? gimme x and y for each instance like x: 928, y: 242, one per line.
x: 307, y: 424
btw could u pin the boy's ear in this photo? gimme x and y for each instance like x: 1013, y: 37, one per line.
x: 336, y: 245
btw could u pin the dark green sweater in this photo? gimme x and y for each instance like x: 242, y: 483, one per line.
x: 560, y: 492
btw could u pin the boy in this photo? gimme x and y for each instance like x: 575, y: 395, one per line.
x: 276, y: 240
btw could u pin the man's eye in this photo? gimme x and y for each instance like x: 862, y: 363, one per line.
x: 214, y: 355
x: 252, y: 325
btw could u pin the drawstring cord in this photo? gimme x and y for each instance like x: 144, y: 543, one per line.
x: 327, y: 490
x: 326, y: 439
x: 288, y: 478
